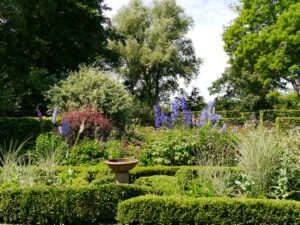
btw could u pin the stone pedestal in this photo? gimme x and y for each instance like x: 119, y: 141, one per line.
x: 122, y: 178
x: 121, y: 167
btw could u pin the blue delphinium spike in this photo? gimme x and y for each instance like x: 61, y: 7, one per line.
x: 183, y: 103
x: 223, y: 128
x: 157, y: 122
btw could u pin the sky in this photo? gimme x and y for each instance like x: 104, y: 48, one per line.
x: 209, y: 18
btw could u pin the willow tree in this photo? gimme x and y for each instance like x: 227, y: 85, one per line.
x: 155, y: 52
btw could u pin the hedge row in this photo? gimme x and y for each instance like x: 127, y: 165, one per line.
x: 21, y: 128
x: 138, y: 172
x: 65, y: 206
x: 178, y: 210
x: 271, y: 115
x: 234, y: 121
x: 285, y: 123
x: 229, y: 113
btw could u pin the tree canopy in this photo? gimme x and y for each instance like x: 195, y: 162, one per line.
x: 263, y: 43
x: 155, y: 52
x: 39, y: 40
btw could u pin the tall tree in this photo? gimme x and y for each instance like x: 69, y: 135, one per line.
x: 155, y: 52
x: 40, y: 39
x: 263, y: 45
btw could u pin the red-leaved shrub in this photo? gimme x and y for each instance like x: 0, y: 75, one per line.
x: 95, y: 125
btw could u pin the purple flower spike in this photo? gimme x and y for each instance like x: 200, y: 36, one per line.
x: 215, y: 126
x: 175, y: 110
x: 203, y: 116
x: 54, y: 115
x: 199, y: 124
x: 157, y: 122
x: 223, y: 128
x: 233, y: 131
x: 65, y: 128
x: 170, y: 124
x: 39, y: 114
x: 163, y: 118
x: 183, y: 103
x: 211, y: 105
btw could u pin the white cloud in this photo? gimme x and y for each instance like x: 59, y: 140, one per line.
x: 209, y: 18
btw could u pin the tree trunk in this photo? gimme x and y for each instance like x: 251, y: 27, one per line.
x: 295, y: 87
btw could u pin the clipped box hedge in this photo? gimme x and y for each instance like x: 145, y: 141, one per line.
x: 271, y: 115
x: 138, y: 172
x: 21, y: 128
x: 178, y: 210
x: 83, y: 205
x: 248, y: 115
x: 234, y: 121
x: 285, y: 123
x: 229, y: 113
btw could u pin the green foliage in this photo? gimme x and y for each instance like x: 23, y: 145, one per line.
x: 229, y: 113
x: 248, y: 115
x: 46, y: 143
x: 39, y: 40
x: 20, y: 128
x: 284, y: 101
x: 181, y: 146
x: 82, y: 205
x: 155, y: 51
x: 92, y: 87
x: 287, y: 123
x: 167, y: 185
x: 271, y: 115
x: 87, y: 153
x: 178, y: 210
x: 138, y: 172
x: 263, y: 45
x: 234, y: 121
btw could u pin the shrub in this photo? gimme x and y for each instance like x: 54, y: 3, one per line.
x: 91, y: 86
x: 248, y: 115
x: 229, y: 113
x: 171, y: 170
x: 271, y: 115
x: 234, y: 121
x: 178, y: 210
x: 87, y: 153
x: 167, y: 185
x: 65, y: 206
x: 96, y: 126
x: 20, y: 128
x: 287, y: 123
x: 183, y: 146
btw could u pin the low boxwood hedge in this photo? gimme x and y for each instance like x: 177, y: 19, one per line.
x: 91, y: 173
x: 65, y: 205
x: 286, y: 123
x: 178, y: 210
x: 234, y: 121
x: 271, y: 115
x: 138, y: 172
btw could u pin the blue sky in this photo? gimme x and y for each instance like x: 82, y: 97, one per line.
x: 209, y: 18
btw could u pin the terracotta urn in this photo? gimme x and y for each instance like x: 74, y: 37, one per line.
x: 121, y: 167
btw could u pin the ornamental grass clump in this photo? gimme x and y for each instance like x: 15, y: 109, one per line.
x: 270, y: 164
